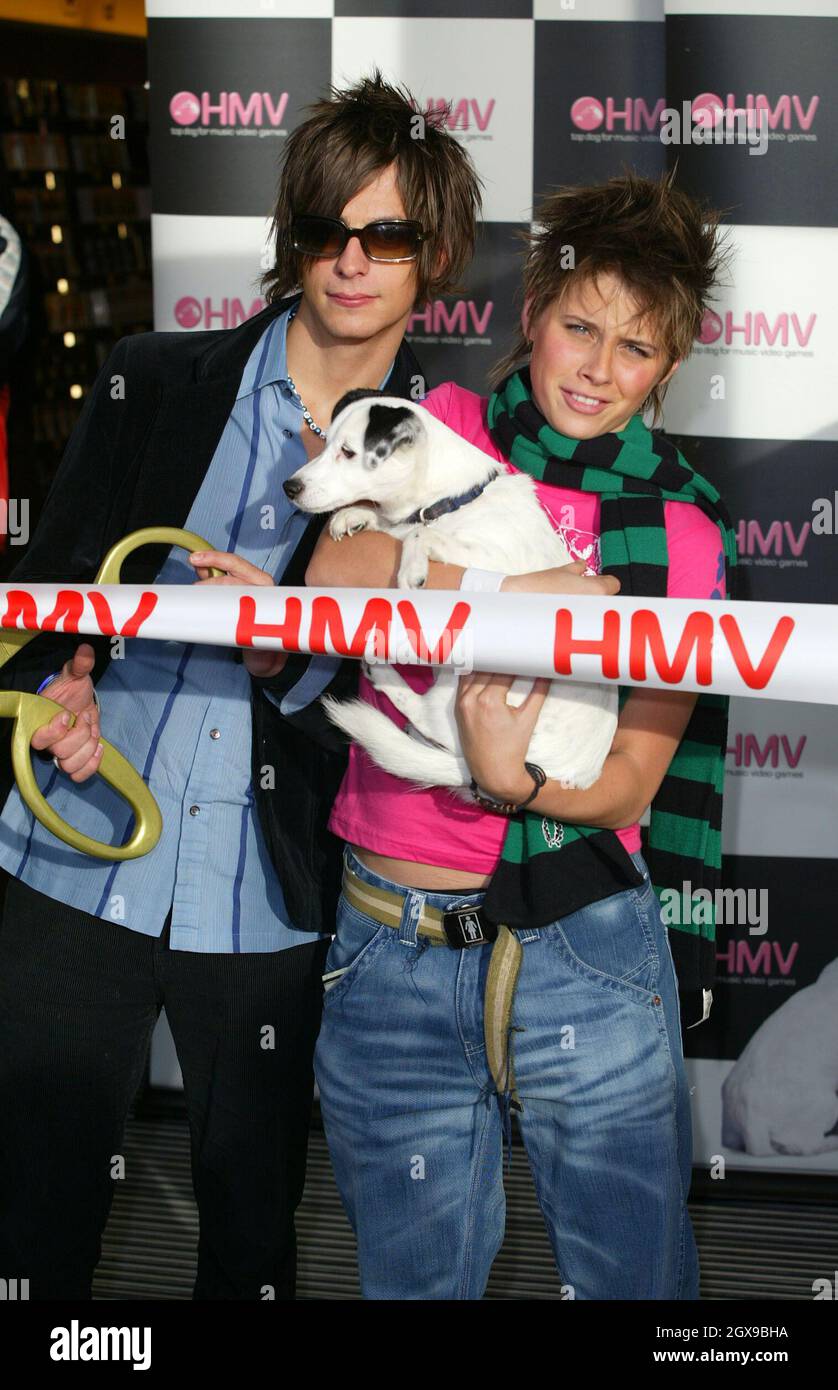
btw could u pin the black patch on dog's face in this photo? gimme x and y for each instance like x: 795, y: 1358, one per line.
x: 360, y: 393
x: 388, y: 427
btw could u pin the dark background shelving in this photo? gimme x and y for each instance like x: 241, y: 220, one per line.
x: 61, y: 169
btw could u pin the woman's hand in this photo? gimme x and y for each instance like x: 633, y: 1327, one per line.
x: 572, y: 578
x: 495, y: 736
x: 237, y: 570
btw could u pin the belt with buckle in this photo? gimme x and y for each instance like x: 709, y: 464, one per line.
x: 460, y: 929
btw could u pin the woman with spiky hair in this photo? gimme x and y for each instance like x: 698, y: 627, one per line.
x: 546, y: 905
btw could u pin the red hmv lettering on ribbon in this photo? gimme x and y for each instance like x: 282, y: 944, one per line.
x: 646, y: 637
x: 327, y: 634
x: 69, y: 606
x: 327, y: 623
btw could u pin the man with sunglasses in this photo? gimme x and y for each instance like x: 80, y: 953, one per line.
x: 227, y: 921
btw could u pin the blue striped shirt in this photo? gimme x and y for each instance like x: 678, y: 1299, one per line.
x: 181, y: 714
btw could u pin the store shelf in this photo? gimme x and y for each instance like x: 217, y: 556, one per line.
x: 81, y: 203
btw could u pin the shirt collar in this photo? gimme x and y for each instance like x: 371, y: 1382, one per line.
x: 267, y: 362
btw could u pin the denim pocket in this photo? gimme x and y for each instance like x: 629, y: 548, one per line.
x: 612, y: 942
x: 358, y: 940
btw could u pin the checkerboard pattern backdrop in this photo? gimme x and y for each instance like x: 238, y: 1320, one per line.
x: 546, y: 92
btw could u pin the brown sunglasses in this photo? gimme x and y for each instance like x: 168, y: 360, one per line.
x: 390, y: 239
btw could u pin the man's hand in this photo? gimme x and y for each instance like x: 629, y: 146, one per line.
x: 564, y: 579
x: 77, y: 750
x: 239, y: 571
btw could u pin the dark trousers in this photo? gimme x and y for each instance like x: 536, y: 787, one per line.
x: 79, y: 998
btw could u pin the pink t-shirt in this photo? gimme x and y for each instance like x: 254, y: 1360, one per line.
x: 383, y: 813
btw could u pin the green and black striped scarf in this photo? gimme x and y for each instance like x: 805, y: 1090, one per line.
x: 548, y: 869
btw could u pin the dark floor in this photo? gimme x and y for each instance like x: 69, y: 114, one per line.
x: 765, y: 1238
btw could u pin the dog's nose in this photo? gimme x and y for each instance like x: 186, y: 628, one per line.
x: 292, y: 488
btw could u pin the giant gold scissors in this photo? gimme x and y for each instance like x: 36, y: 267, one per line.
x: 30, y: 712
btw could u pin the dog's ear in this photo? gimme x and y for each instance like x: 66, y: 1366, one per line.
x: 389, y: 427
x: 360, y: 393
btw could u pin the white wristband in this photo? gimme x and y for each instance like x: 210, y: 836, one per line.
x: 489, y: 581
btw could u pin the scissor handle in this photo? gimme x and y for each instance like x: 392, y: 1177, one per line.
x: 31, y: 712
x: 110, y: 569
x: 12, y: 639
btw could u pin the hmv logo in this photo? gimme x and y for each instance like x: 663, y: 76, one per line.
x: 228, y: 109
x: 589, y: 113
x: 466, y: 113
x: 460, y: 317
x: 747, y: 749
x: 753, y: 328
x: 768, y: 959
x: 220, y: 313
x: 630, y: 114
x: 788, y: 110
x: 780, y: 536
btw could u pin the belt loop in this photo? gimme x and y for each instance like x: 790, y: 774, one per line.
x: 411, y: 912
x: 525, y: 934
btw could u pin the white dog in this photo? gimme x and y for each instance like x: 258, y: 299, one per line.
x: 445, y: 500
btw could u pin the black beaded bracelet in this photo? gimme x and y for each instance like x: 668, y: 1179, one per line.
x: 539, y: 776
x: 509, y: 808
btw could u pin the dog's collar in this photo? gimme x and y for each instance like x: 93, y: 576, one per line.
x: 446, y: 504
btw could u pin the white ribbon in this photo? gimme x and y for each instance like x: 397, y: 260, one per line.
x: 770, y: 651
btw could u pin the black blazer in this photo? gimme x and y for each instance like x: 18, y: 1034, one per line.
x: 137, y: 457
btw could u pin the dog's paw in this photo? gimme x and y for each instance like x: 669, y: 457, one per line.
x: 413, y: 575
x: 350, y: 520
x: 413, y: 570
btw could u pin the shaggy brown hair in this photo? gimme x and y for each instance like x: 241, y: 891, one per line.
x: 346, y: 142
x: 661, y: 242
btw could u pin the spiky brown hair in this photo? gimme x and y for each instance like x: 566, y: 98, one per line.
x: 344, y: 144
x: 663, y: 244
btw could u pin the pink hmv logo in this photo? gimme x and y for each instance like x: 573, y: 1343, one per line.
x: 205, y: 312
x: 752, y: 328
x: 231, y: 109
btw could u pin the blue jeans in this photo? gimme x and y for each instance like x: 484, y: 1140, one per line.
x: 413, y: 1120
